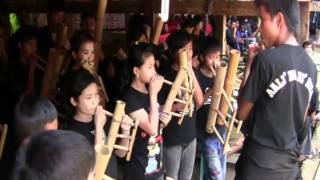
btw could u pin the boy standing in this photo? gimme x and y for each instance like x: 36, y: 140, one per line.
x: 211, y: 147
x: 275, y: 97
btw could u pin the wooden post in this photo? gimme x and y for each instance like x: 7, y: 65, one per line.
x: 228, y: 84
x: 220, y: 33
x: 99, y: 30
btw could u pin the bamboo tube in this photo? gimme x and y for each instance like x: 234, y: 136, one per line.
x: 239, y: 126
x: 63, y: 37
x: 226, y: 144
x: 180, y: 87
x: 216, y: 96
x: 103, y: 89
x: 228, y: 84
x: 133, y: 136
x: 177, y: 82
x: 104, y: 152
x: 186, y: 107
x: 157, y: 31
x: 51, y: 75
x: 102, y: 5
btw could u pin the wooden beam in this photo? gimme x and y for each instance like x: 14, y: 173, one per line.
x: 115, y: 6
x: 238, y: 8
x: 188, y: 6
x: 315, y: 6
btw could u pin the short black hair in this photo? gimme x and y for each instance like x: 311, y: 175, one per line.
x: 137, y: 26
x: 76, y: 82
x: 178, y: 40
x: 188, y: 23
x: 289, y: 8
x: 31, y: 115
x: 307, y: 43
x: 79, y: 38
x: 55, y: 155
x: 209, y: 45
x: 26, y: 34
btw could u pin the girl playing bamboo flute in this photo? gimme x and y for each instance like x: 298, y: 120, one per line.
x: 142, y: 103
x: 88, y: 118
x: 180, y: 140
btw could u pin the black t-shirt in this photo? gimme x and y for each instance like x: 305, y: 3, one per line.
x: 175, y: 134
x: 88, y: 131
x: 280, y: 85
x: 146, y: 161
x: 205, y: 83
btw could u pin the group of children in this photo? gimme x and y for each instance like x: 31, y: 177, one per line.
x: 282, y: 75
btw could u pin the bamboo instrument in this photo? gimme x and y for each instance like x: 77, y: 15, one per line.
x: 104, y: 151
x: 52, y: 72
x: 216, y: 96
x: 226, y: 146
x: 180, y: 84
x: 228, y: 84
x: 102, y: 5
x: 157, y: 31
x: 62, y: 38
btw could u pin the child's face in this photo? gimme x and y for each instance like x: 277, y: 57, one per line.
x: 269, y: 27
x: 308, y: 49
x: 212, y: 59
x: 189, y: 49
x: 29, y: 48
x: 86, y: 54
x: 147, y: 70
x: 88, y: 100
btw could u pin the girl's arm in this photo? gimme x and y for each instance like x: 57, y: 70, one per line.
x: 149, y: 122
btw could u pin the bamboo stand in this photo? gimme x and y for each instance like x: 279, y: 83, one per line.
x: 228, y: 84
x: 216, y: 96
x: 184, y: 83
x: 104, y: 151
x: 221, y: 100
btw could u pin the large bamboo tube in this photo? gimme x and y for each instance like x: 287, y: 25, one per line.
x: 104, y: 151
x: 62, y: 37
x: 55, y: 59
x: 228, y: 84
x: 177, y: 82
x: 216, y: 96
x: 99, y: 29
x: 157, y: 31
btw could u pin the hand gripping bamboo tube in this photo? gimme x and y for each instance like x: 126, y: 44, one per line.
x: 157, y: 31
x: 228, y: 84
x: 104, y: 151
x: 176, y: 86
x: 216, y: 96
